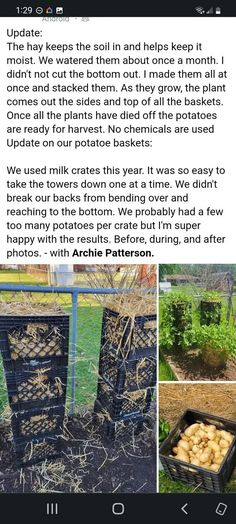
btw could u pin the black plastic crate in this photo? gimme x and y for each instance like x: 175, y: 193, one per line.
x: 120, y: 407
x: 38, y: 450
x: 28, y: 425
x: 29, y: 337
x: 129, y: 337
x: 195, y: 475
x: 123, y: 429
x: 41, y: 387
x: 127, y: 375
x: 19, y: 366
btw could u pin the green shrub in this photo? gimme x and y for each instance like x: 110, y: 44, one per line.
x: 218, y: 340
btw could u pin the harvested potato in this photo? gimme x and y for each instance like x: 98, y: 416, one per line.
x: 203, y: 445
x: 182, y: 455
x: 214, y: 446
x: 224, y: 451
x: 183, y: 444
x: 214, y: 467
x: 195, y: 461
x: 184, y: 437
x: 195, y: 439
x: 211, y: 435
x: 191, y: 430
x: 218, y: 460
x: 205, y: 456
x: 226, y: 436
x: 223, y: 443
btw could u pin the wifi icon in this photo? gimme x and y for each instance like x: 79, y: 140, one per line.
x: 200, y: 10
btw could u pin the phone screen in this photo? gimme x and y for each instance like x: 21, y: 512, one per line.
x: 117, y: 268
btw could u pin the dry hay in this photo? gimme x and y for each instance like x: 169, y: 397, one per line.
x: 28, y: 307
x: 132, y: 304
x: 215, y: 399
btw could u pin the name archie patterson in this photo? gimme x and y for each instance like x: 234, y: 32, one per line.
x: 111, y: 252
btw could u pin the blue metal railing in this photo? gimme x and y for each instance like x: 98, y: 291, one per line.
x: 74, y: 292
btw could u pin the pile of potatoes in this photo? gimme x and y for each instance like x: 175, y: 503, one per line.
x: 203, y: 445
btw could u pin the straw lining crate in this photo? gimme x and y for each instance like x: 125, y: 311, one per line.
x: 129, y: 336
x: 119, y: 407
x: 195, y: 475
x: 28, y: 337
x: 127, y: 368
x: 37, y: 450
x: 38, y: 388
x: 127, y: 375
x: 27, y: 425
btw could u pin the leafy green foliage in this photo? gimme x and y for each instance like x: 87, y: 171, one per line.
x: 164, y: 430
x: 220, y: 338
x: 176, y: 320
x: 211, y: 296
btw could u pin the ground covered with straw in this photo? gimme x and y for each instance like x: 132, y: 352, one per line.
x: 88, y: 464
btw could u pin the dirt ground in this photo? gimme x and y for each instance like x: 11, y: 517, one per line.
x: 88, y: 463
x: 215, y: 399
x: 190, y: 366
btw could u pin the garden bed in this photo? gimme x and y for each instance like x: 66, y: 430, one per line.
x: 189, y: 365
x: 87, y: 465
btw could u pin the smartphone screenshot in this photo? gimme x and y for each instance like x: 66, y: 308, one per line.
x: 117, y: 265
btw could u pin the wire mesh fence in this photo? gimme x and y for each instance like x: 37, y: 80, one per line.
x: 83, y: 367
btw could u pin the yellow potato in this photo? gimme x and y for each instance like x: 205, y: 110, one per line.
x: 195, y: 449
x: 191, y: 430
x: 214, y: 467
x: 195, y: 461
x: 210, y: 427
x: 204, y: 457
x: 182, y: 455
x: 211, y: 435
x: 175, y: 450
x: 213, y: 445
x: 224, y: 451
x: 223, y: 443
x: 227, y: 436
x: 183, y: 444
x: 201, y: 433
x: 184, y: 437
x: 218, y: 460
x: 196, y: 440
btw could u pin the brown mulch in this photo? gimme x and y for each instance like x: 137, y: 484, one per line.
x: 215, y: 399
x: 88, y: 463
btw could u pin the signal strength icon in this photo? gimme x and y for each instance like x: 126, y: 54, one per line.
x: 210, y: 11
x: 200, y: 10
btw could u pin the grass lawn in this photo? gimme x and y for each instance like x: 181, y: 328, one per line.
x: 88, y: 337
x: 171, y: 486
x: 165, y: 372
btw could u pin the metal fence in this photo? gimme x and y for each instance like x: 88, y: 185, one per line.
x: 76, y: 293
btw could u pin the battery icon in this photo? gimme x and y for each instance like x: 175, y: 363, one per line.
x: 218, y: 10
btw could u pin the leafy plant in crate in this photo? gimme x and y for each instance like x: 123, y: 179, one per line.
x: 216, y: 343
x: 210, y: 308
x: 176, y: 321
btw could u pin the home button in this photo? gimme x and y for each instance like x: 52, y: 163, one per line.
x: 118, y: 508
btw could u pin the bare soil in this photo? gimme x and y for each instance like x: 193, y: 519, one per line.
x: 88, y: 463
x: 189, y: 365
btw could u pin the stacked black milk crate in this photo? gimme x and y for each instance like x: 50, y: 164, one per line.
x: 35, y: 357
x: 127, y: 372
